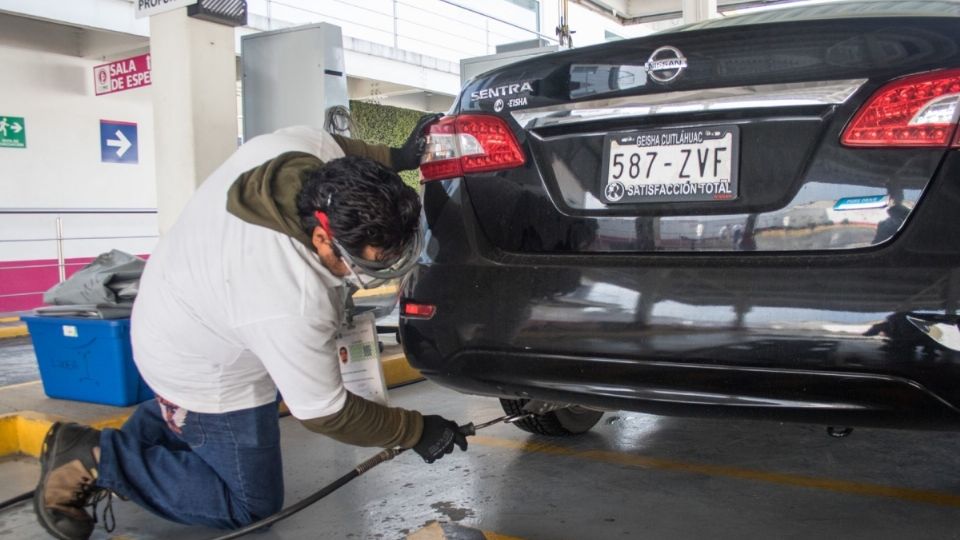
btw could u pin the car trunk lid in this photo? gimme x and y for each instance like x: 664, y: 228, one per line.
x: 711, y: 140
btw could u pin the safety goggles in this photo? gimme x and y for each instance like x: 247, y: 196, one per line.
x: 370, y: 274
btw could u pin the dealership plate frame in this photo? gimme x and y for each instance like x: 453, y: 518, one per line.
x: 617, y: 193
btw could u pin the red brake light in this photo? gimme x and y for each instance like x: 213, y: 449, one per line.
x: 418, y: 311
x: 918, y: 111
x: 469, y: 143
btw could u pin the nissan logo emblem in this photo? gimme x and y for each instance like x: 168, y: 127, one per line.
x: 665, y: 64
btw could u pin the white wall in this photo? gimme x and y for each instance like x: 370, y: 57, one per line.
x: 589, y: 25
x: 61, y: 165
x: 61, y: 168
x: 113, y: 15
x: 428, y: 27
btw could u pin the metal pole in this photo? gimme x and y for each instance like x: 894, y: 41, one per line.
x: 61, y: 263
x: 538, y: 16
x: 78, y: 210
x: 486, y: 28
x: 396, y: 41
x: 563, y: 30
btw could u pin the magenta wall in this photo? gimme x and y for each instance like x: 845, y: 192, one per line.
x: 22, y: 283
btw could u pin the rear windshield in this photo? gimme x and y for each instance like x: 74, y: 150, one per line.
x: 835, y: 10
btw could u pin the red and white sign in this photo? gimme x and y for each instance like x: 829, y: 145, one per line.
x: 121, y: 75
x: 145, y: 8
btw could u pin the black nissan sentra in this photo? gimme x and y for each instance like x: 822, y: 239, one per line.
x: 756, y: 216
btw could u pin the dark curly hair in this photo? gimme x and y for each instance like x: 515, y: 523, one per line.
x: 367, y: 203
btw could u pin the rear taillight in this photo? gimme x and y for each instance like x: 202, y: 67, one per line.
x: 469, y: 143
x: 918, y: 111
x: 414, y: 310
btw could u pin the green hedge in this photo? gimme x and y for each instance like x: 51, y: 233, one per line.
x: 387, y: 125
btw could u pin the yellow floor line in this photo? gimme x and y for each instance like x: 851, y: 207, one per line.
x: 114, y: 422
x: 397, y: 370
x: 19, y: 330
x: 494, y: 536
x: 31, y: 428
x: 386, y: 290
x: 940, y: 498
x: 18, y: 385
x: 22, y: 432
x: 435, y: 531
x: 9, y: 435
x: 9, y: 319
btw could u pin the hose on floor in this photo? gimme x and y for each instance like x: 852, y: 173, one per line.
x: 383, y: 456
x: 379, y: 458
x: 14, y: 500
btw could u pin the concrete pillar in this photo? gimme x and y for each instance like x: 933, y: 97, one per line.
x: 698, y: 10
x: 194, y: 105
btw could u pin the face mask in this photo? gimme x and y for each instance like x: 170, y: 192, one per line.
x: 371, y: 274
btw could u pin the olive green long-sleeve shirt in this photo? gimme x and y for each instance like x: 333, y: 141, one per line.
x: 266, y: 196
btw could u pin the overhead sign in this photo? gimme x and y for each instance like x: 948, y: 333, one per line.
x: 121, y: 75
x: 145, y: 8
x: 13, y: 132
x: 118, y: 142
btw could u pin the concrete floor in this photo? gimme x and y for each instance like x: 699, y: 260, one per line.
x: 17, y: 361
x: 634, y: 476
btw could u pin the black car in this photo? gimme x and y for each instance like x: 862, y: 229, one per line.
x: 754, y: 216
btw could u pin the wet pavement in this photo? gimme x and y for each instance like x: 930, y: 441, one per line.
x: 18, y: 363
x: 633, y: 476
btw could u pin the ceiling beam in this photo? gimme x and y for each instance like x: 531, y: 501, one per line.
x: 647, y: 11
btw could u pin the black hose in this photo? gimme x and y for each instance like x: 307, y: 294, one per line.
x: 383, y: 456
x: 386, y: 455
x: 283, y: 514
x: 19, y: 498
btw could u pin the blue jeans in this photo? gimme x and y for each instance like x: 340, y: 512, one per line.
x: 217, y: 470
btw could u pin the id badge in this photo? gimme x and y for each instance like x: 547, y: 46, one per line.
x: 358, y: 354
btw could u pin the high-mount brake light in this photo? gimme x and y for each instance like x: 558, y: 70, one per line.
x: 469, y: 143
x: 915, y: 111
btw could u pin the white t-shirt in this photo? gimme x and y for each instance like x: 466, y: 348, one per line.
x: 228, y: 311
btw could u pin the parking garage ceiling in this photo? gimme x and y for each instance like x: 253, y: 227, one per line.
x: 642, y: 11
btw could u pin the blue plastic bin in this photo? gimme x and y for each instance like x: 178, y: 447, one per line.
x: 87, y: 360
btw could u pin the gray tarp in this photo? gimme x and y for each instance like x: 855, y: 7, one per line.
x: 111, y: 280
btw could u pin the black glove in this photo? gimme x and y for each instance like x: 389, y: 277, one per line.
x: 439, y: 436
x: 407, y: 157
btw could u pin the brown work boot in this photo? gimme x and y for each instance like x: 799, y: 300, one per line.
x: 68, y: 473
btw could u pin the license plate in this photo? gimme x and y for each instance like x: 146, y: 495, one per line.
x: 671, y: 165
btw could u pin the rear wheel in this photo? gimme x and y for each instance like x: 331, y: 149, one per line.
x: 559, y: 423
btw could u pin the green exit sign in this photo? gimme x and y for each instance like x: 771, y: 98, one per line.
x: 13, y: 132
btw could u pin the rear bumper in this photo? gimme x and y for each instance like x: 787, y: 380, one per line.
x: 813, y: 337
x: 845, y: 399
x: 827, y: 344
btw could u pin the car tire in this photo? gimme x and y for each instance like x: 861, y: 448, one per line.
x: 559, y: 423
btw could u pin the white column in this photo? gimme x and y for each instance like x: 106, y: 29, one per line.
x: 698, y: 10
x: 194, y: 84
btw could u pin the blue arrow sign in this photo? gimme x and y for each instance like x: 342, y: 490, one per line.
x: 118, y: 142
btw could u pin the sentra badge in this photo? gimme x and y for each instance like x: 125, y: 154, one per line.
x: 506, y: 90
x: 665, y: 64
